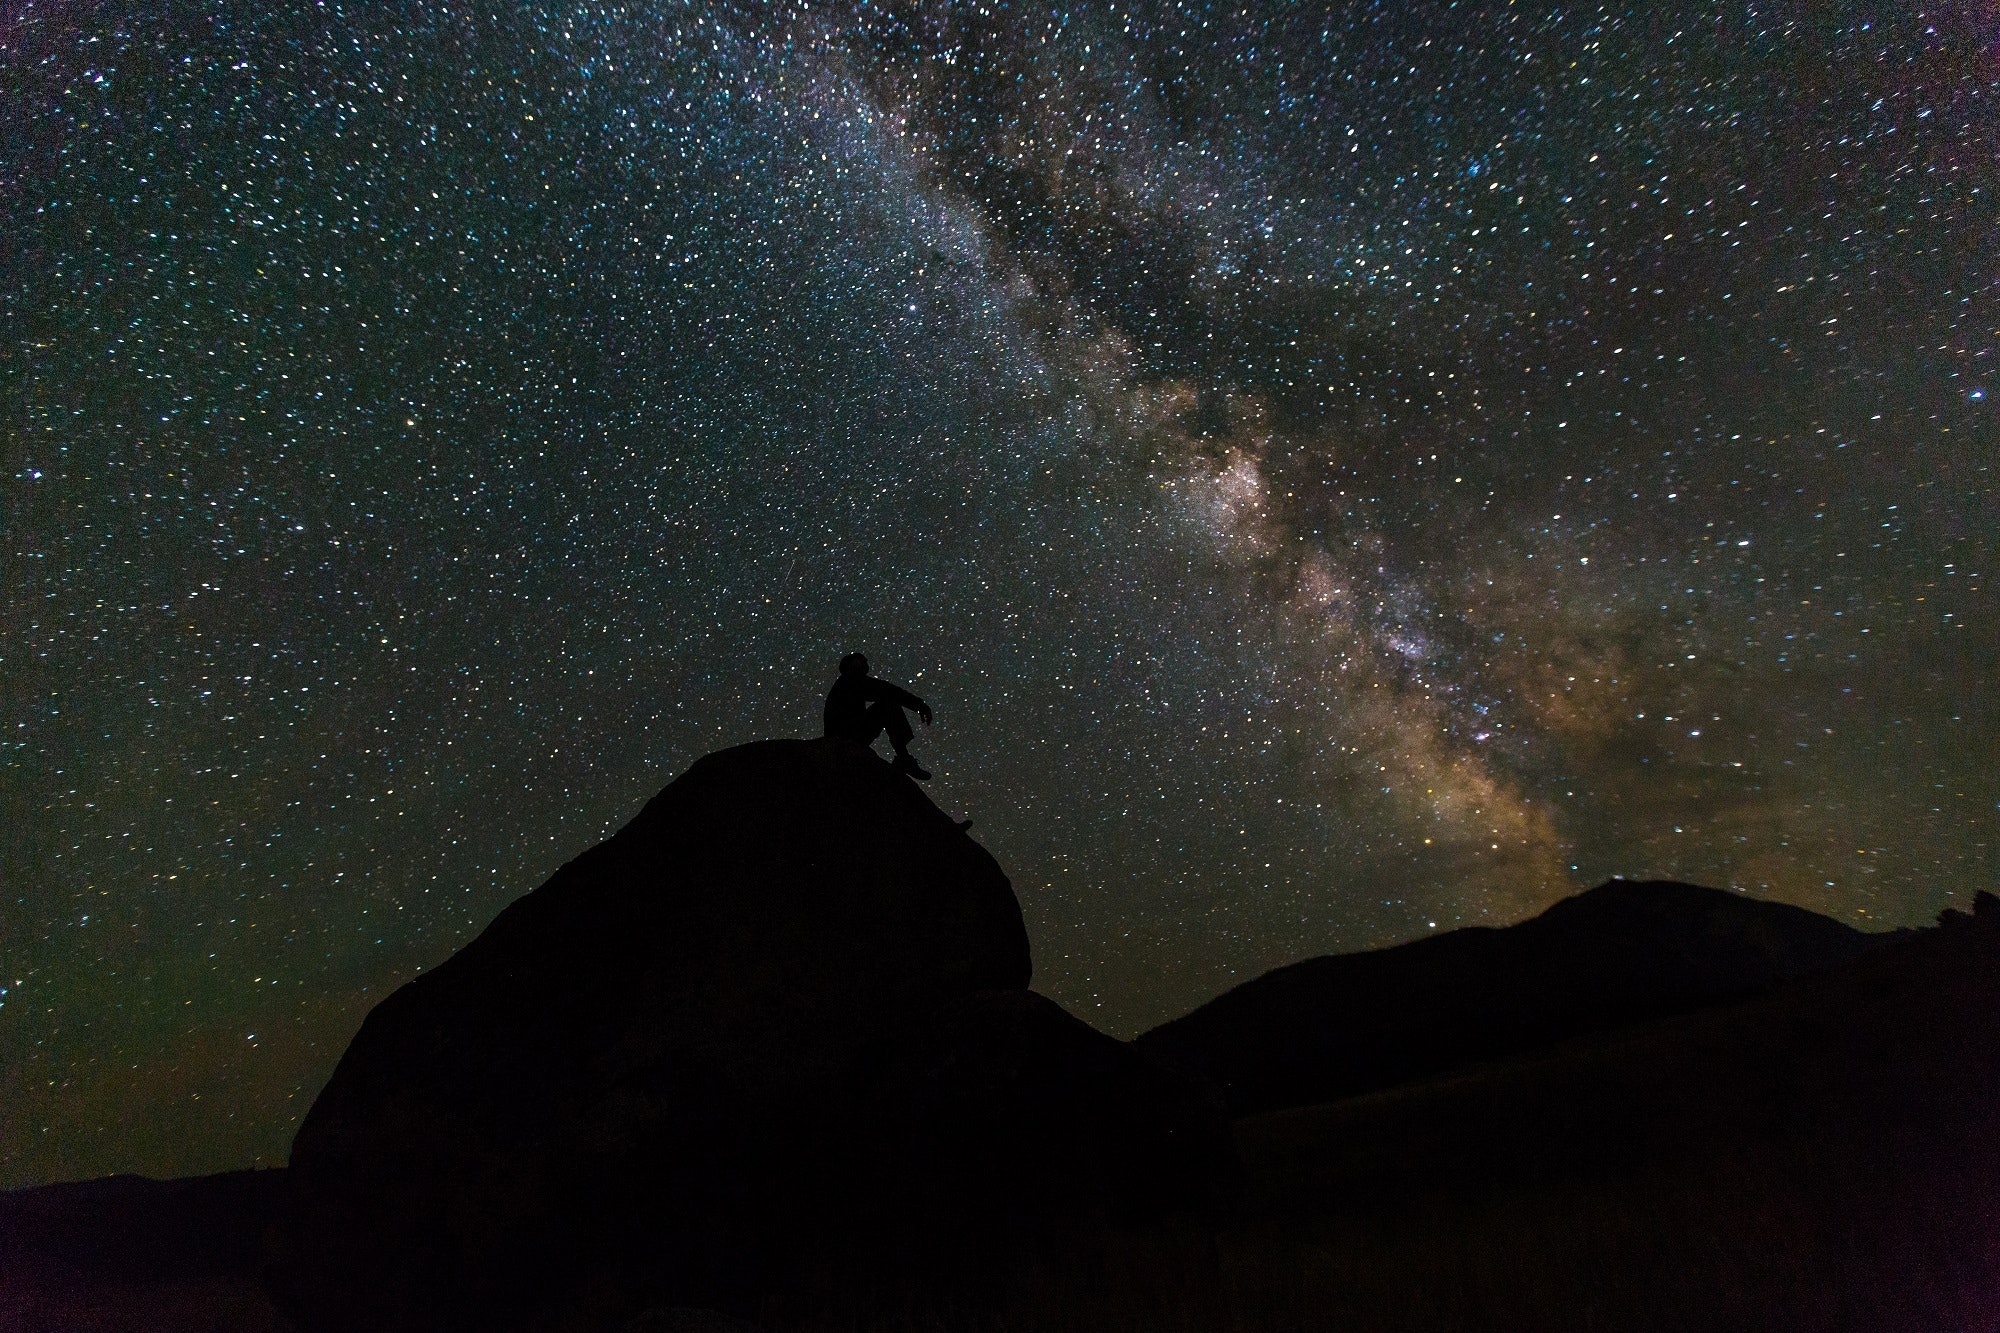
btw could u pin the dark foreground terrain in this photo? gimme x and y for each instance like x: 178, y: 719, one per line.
x: 815, y: 1093
x: 127, y: 1253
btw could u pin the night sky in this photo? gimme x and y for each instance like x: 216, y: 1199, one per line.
x: 1338, y: 472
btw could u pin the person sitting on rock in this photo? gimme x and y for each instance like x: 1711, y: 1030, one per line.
x: 860, y: 707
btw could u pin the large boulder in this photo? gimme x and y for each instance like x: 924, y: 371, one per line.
x: 753, y: 1025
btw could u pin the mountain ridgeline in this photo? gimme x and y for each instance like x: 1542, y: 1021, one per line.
x: 1623, y: 953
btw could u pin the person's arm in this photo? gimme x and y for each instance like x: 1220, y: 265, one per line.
x: 902, y: 698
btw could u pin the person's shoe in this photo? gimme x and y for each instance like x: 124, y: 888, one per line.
x: 905, y: 764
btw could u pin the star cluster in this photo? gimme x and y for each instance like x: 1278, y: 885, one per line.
x: 1338, y: 472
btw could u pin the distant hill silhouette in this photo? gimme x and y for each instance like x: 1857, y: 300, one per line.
x: 127, y: 1252
x: 1621, y: 953
x: 779, y: 1016
x: 1823, y: 1157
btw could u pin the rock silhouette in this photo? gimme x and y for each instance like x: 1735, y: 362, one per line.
x: 777, y: 1020
x: 1820, y: 1155
x: 1622, y: 953
x: 684, y: 1319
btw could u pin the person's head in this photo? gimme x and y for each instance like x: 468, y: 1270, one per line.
x: 854, y: 664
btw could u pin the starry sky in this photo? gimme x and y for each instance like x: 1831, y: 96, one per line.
x: 1339, y: 472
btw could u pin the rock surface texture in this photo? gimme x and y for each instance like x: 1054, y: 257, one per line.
x: 753, y: 1027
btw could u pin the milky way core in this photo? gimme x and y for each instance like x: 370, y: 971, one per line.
x: 1339, y: 472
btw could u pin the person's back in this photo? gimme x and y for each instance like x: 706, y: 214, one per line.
x: 860, y: 707
x: 847, y: 709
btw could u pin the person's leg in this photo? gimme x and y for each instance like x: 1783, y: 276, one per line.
x: 877, y: 718
x: 898, y: 727
x: 892, y: 721
x: 858, y: 731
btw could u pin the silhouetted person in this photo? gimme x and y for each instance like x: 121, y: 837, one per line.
x: 859, y: 708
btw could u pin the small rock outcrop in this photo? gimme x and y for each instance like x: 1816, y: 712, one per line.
x: 760, y: 1022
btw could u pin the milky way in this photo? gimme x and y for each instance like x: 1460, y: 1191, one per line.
x: 1339, y: 474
